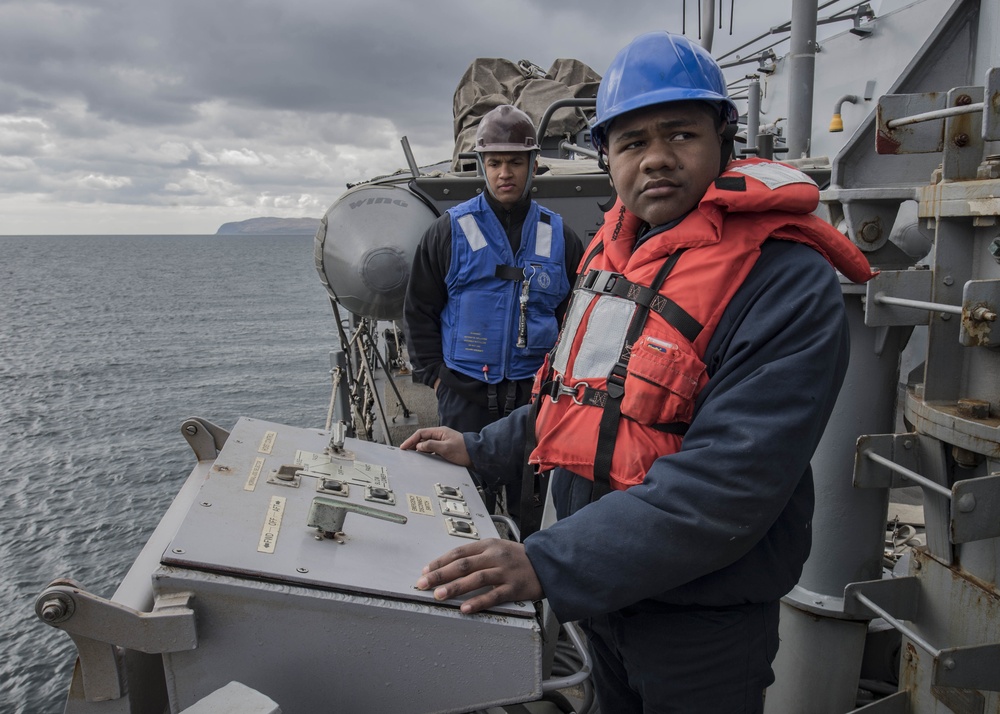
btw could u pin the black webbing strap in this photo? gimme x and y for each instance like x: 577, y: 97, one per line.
x: 509, y: 272
x: 510, y: 403
x: 607, y: 283
x: 584, y: 395
x: 491, y: 398
x: 611, y: 416
x: 579, y: 393
x: 534, y: 485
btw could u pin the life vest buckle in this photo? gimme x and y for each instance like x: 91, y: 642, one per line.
x: 616, y: 381
x: 601, y: 281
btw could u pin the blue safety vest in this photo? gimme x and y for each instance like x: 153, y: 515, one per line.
x: 479, y: 323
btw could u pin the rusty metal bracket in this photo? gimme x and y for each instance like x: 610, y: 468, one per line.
x: 98, y: 627
x: 980, y: 302
x: 963, y: 136
x: 896, y: 600
x: 923, y: 137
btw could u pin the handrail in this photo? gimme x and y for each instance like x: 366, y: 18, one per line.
x: 543, y: 125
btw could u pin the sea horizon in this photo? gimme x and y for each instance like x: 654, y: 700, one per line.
x: 108, y: 343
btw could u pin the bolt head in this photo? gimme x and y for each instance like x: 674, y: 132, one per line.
x: 967, y: 503
x: 53, y: 610
x: 871, y: 232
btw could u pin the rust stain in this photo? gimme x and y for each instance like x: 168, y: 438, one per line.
x: 986, y: 593
x: 979, y: 330
x: 886, y: 144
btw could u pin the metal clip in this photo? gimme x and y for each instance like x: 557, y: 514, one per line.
x: 522, y: 321
x: 564, y: 390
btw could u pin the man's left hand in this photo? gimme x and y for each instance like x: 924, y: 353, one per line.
x: 501, y: 565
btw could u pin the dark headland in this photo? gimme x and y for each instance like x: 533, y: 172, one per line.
x: 270, y: 226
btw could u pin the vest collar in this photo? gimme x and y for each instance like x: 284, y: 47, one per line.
x: 515, y: 215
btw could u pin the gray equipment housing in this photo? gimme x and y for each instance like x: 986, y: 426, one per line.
x: 288, y: 563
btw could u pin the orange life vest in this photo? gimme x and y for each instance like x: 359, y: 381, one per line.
x: 619, y: 388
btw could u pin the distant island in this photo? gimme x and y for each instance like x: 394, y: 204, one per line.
x: 270, y: 226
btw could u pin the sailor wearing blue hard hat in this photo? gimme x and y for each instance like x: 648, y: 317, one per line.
x: 695, y: 371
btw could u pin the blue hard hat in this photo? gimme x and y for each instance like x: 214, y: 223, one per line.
x: 656, y: 68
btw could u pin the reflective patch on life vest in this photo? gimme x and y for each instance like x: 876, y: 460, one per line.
x: 605, y: 337
x: 577, y: 307
x: 543, y: 240
x: 772, y: 175
x: 472, y: 233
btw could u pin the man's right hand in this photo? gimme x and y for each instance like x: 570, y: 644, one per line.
x: 446, y: 443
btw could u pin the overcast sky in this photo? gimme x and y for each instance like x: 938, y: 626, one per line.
x: 175, y: 116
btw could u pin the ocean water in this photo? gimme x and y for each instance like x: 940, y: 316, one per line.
x: 107, y: 343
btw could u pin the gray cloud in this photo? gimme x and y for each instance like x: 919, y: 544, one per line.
x: 232, y: 108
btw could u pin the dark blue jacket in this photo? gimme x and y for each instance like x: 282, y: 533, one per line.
x: 727, y: 519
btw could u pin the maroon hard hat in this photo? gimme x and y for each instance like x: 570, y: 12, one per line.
x: 506, y: 128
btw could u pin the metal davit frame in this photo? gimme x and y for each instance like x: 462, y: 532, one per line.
x: 936, y: 137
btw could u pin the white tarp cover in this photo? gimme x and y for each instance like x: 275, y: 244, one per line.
x: 490, y: 82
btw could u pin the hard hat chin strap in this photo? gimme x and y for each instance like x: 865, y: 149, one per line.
x: 728, y: 145
x: 532, y: 158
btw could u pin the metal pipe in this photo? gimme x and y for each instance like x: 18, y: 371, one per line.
x: 707, y: 28
x: 837, y: 123
x: 849, y: 98
x: 543, y: 125
x: 410, y: 161
x: 572, y: 148
x: 552, y: 685
x: 340, y: 394
x: 753, y: 111
x: 883, y: 299
x: 899, y: 626
x: 911, y: 475
x: 936, y: 114
x: 801, y: 77
x: 765, y: 145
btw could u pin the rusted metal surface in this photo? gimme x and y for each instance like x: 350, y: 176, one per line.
x: 976, y: 323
